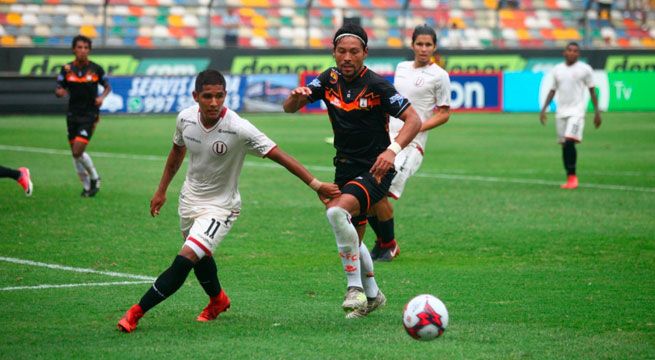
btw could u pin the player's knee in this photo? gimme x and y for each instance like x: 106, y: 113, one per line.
x: 337, y: 215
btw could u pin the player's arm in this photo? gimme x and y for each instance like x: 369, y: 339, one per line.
x: 173, y: 163
x: 105, y: 92
x: 297, y: 99
x: 594, y: 100
x: 438, y: 118
x: 549, y: 98
x: 326, y: 191
x: 407, y: 133
x: 60, y: 89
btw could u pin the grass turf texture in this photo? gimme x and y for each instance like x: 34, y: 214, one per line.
x: 527, y: 270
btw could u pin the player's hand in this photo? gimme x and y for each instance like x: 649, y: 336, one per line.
x: 383, y: 163
x: 543, y: 118
x: 156, y: 203
x: 301, y: 91
x: 99, y: 101
x: 328, y: 191
x: 60, y: 92
x: 597, y: 120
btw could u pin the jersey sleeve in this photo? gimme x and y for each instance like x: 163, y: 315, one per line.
x: 589, y: 77
x: 393, y: 103
x: 317, y: 88
x: 257, y: 143
x: 555, y: 84
x: 61, y: 78
x: 177, y: 136
x: 102, y: 77
x: 443, y: 91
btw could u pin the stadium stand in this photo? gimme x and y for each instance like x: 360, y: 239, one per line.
x: 467, y: 24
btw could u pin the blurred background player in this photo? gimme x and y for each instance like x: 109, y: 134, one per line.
x: 359, y: 103
x: 21, y: 175
x: 572, y: 79
x: 79, y: 79
x: 427, y: 86
x: 217, y: 140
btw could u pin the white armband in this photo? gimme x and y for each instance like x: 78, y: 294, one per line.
x: 315, y: 184
x: 395, y: 147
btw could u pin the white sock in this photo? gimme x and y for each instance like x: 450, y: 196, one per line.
x: 82, y: 174
x: 368, y: 276
x: 347, y: 244
x: 85, y: 159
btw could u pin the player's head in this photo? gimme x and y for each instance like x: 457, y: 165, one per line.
x: 81, y: 46
x: 210, y: 93
x: 572, y: 52
x: 424, y: 43
x: 350, y: 49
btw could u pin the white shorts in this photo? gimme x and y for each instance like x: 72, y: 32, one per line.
x: 569, y: 127
x: 407, y: 163
x: 204, y: 228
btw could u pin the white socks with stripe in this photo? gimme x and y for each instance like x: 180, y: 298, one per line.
x: 86, y: 161
x: 347, y: 244
x: 370, y: 286
x: 82, y: 174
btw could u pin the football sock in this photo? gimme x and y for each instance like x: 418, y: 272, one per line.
x: 570, y: 156
x: 367, y: 273
x: 10, y: 173
x: 81, y: 173
x: 373, y: 221
x: 386, y: 231
x: 207, y: 275
x: 347, y: 244
x: 167, y: 283
x: 85, y: 159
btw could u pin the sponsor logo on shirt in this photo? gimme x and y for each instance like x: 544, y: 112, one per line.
x: 192, y: 139
x: 227, y: 132
x: 396, y: 98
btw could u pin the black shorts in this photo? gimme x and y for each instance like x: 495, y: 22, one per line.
x: 81, y: 127
x: 366, y: 189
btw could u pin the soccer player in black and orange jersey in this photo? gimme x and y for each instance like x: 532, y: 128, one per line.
x: 79, y: 79
x: 359, y: 104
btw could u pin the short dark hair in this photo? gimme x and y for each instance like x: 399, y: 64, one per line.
x: 81, y: 38
x: 573, y: 43
x: 351, y: 28
x: 209, y: 77
x: 424, y: 30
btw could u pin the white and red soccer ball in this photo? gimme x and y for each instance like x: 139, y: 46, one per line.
x: 425, y: 317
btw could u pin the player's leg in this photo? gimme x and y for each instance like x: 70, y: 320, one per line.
x: 73, y: 130
x: 209, y: 231
x: 78, y: 147
x: 374, y: 297
x: 166, y: 284
x: 21, y: 175
x: 572, y: 134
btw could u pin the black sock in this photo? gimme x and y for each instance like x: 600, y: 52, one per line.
x: 570, y: 156
x: 375, y: 225
x: 386, y: 231
x: 10, y: 173
x: 167, y: 283
x: 207, y: 275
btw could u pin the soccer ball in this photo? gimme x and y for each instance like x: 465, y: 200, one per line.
x: 425, y: 317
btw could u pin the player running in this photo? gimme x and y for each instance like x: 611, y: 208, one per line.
x: 79, y: 79
x: 571, y: 79
x: 217, y: 140
x: 427, y: 86
x: 359, y: 104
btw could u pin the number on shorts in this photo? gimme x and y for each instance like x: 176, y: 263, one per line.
x: 213, y: 228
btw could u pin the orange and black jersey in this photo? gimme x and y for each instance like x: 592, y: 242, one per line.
x: 359, y: 111
x: 82, y: 81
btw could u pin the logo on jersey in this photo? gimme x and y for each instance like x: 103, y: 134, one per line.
x: 396, y: 99
x: 219, y: 148
x: 334, y: 77
x: 419, y: 82
x: 363, y: 100
x: 315, y: 83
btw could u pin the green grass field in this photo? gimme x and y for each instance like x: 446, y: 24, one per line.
x: 526, y: 269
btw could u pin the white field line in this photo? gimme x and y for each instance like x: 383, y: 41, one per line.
x: 330, y: 169
x: 46, y: 286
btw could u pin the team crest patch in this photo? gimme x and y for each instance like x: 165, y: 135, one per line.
x: 333, y: 77
x: 419, y: 82
x: 363, y: 102
x: 219, y: 148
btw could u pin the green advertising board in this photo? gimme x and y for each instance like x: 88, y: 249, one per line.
x: 50, y: 65
x: 486, y: 63
x: 616, y: 63
x: 631, y: 91
x: 280, y: 64
x: 172, y: 66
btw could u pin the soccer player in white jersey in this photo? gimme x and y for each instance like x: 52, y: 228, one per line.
x: 217, y: 140
x: 572, y: 79
x: 427, y: 86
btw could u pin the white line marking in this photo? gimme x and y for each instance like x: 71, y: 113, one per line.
x: 75, y: 269
x: 39, y: 287
x: 330, y: 169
